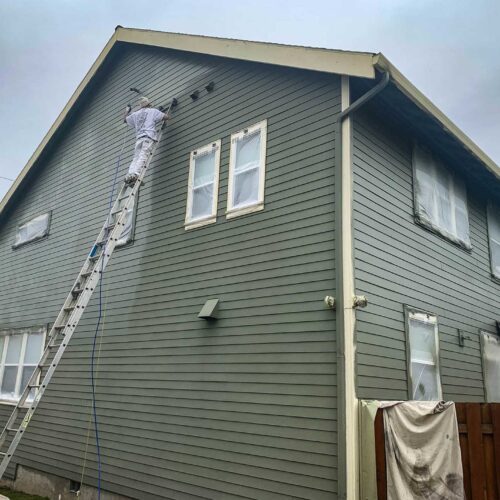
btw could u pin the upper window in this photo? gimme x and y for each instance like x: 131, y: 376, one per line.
x: 203, y: 185
x: 32, y: 230
x: 423, y: 358
x: 247, y: 169
x: 440, y: 198
x: 20, y: 353
x: 494, y: 237
x: 490, y: 347
x: 127, y: 234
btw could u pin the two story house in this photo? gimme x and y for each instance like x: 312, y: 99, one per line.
x: 348, y: 230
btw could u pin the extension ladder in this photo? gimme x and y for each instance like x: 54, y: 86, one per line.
x: 74, y: 306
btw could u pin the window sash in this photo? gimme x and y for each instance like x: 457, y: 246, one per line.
x: 440, y: 198
x: 32, y: 230
x: 423, y: 357
x: 237, y: 172
x: 209, y: 211
x: 493, y: 215
x: 21, y: 363
x: 490, y: 353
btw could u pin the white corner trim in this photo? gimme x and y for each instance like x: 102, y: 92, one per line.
x: 348, y: 291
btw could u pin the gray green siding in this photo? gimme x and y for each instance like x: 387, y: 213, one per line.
x: 398, y: 262
x: 244, y: 407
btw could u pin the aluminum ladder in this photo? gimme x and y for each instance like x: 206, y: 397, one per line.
x: 74, y: 306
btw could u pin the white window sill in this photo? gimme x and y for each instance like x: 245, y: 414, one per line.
x: 13, y: 402
x: 236, y: 212
x: 199, y: 223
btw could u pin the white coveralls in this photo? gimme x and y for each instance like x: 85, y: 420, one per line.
x: 144, y: 122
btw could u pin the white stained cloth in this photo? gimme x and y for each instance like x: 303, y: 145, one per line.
x: 423, y: 451
x: 144, y: 121
x: 143, y: 148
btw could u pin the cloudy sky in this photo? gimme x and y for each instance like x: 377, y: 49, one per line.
x: 447, y: 48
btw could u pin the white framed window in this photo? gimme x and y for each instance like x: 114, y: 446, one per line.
x: 247, y: 165
x: 203, y: 185
x: 422, y: 340
x: 21, y: 350
x: 440, y: 198
x: 490, y: 350
x: 127, y: 234
x: 494, y: 239
x: 32, y: 230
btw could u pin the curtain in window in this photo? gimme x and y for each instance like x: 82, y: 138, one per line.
x: 203, y: 186
x: 440, y: 198
x: 491, y: 365
x: 35, y: 228
x: 424, y: 367
x: 247, y: 171
x: 494, y: 236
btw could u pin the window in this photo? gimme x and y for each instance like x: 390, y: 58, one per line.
x: 203, y: 185
x: 423, y: 360
x: 246, y: 170
x: 490, y: 348
x: 440, y: 198
x: 34, y: 229
x: 494, y: 237
x: 20, y: 353
x: 127, y: 234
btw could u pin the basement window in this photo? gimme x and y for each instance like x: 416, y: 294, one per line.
x: 440, y: 198
x: 127, y: 234
x: 33, y: 230
x: 247, y: 170
x: 424, y: 382
x: 20, y: 350
x: 490, y: 348
x: 203, y: 185
x: 494, y: 238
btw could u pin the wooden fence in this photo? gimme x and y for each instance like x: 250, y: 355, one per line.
x: 479, y: 429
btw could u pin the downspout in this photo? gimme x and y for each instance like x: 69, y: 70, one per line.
x: 347, y: 402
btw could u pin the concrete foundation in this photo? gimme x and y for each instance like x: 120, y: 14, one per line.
x: 54, y: 487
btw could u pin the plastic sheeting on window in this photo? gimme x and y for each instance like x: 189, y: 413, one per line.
x: 440, y: 198
x: 494, y: 237
x: 203, y: 186
x: 424, y: 372
x: 490, y: 345
x: 32, y: 230
x: 128, y: 229
x: 247, y: 171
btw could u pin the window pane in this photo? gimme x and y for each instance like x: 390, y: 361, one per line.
x: 27, y: 371
x: 247, y: 152
x: 204, y: 169
x: 491, y: 365
x: 33, y: 348
x: 443, y: 201
x: 424, y: 382
x: 14, y: 349
x: 9, y: 381
x: 494, y: 235
x: 246, y: 188
x: 202, y: 201
x: 422, y: 342
x: 35, y: 228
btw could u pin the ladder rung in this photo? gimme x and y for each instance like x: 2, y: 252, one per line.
x: 10, y: 429
x: 86, y: 274
x: 59, y: 327
x: 111, y: 226
x: 95, y: 257
x: 69, y: 308
x: 34, y: 386
x: 54, y: 346
x: 76, y: 291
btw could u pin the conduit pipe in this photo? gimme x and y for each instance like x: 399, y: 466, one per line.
x: 347, y: 418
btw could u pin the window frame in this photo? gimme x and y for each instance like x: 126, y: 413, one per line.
x: 25, y: 332
x: 232, y: 211
x: 429, y: 225
x: 193, y: 155
x: 408, y: 312
x: 37, y: 238
x: 482, y: 334
x: 132, y: 228
x: 490, y: 209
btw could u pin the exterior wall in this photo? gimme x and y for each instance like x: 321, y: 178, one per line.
x: 241, y: 408
x: 397, y: 263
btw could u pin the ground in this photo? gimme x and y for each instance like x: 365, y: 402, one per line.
x: 15, y: 495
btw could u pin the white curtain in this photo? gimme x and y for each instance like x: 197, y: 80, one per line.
x: 203, y: 186
x: 494, y: 235
x: 247, y: 171
x: 491, y: 364
x: 35, y: 228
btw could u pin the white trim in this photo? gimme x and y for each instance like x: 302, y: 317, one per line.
x: 348, y: 291
x: 214, y: 146
x: 261, y: 128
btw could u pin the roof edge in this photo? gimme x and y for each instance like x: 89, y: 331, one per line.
x: 383, y: 64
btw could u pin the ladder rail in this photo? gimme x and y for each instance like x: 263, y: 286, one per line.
x: 73, y: 308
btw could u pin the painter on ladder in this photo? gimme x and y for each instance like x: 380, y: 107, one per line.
x: 144, y: 121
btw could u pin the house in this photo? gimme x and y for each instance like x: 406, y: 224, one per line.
x: 355, y: 188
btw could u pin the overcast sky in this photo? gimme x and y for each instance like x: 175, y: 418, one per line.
x: 447, y: 48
